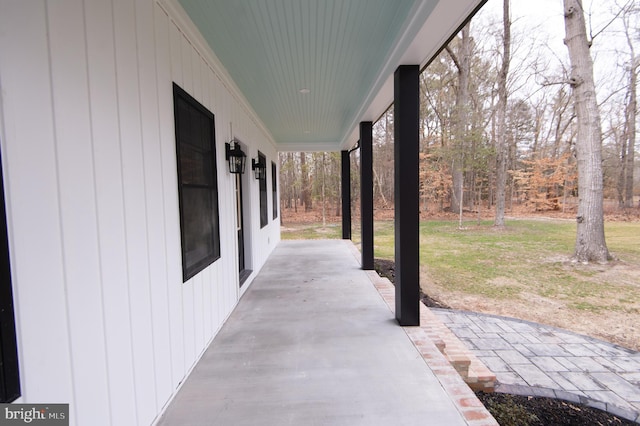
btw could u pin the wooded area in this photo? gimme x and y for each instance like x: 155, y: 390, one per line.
x: 499, y: 99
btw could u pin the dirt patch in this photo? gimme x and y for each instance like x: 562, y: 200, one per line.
x: 610, y: 312
x: 616, y: 326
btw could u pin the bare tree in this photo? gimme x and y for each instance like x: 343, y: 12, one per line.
x: 502, y: 149
x: 462, y: 60
x: 305, y: 191
x: 590, y: 241
x: 630, y: 116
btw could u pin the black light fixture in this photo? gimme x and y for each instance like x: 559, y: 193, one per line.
x: 259, y: 168
x: 235, y: 156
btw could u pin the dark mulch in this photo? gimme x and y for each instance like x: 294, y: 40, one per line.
x: 387, y: 268
x: 516, y: 410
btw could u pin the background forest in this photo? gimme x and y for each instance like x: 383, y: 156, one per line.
x: 499, y: 89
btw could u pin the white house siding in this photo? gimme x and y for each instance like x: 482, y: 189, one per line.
x: 104, y: 321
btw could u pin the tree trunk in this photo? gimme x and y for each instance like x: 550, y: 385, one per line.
x: 324, y: 213
x: 305, y: 190
x: 290, y: 190
x: 631, y: 132
x: 376, y: 178
x: 621, y: 142
x: 463, y: 63
x: 631, y: 110
x: 502, y: 149
x: 590, y: 240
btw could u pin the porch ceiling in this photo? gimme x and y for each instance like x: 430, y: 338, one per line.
x: 313, y: 69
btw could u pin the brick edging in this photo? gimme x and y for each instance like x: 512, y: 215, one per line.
x: 465, y: 400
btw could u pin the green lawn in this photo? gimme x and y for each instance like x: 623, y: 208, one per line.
x: 311, y: 231
x: 527, y: 254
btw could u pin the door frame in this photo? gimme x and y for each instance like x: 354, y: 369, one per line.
x: 243, y: 221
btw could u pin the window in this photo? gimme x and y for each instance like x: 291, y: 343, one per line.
x: 274, y: 189
x: 9, y: 373
x: 197, y: 183
x: 264, y: 219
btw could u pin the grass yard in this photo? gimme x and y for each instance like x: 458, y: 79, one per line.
x: 311, y: 231
x: 525, y: 271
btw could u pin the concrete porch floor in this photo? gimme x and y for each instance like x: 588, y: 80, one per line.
x: 312, y: 342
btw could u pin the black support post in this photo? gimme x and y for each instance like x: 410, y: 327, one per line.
x: 346, y: 196
x: 9, y: 364
x: 407, y: 209
x: 366, y: 193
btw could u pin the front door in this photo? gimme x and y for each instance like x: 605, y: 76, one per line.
x: 240, y: 231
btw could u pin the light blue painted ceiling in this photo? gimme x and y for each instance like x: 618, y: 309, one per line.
x: 312, y: 69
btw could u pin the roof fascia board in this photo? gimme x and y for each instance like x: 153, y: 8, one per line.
x: 420, y: 31
x: 308, y: 147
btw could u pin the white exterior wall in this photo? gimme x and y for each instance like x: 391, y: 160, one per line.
x: 104, y: 321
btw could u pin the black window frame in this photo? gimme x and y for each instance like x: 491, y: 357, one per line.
x: 197, y: 185
x: 274, y: 190
x: 9, y: 365
x: 264, y: 215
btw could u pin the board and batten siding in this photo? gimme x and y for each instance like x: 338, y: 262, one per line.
x: 104, y: 321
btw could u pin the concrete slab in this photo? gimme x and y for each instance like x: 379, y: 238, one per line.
x: 564, y: 384
x: 566, y: 362
x: 312, y: 342
x: 520, y: 347
x: 632, y: 378
x: 495, y: 364
x: 547, y: 363
x: 610, y: 398
x: 464, y: 332
x: 518, y: 338
x: 510, y: 379
x: 582, y: 381
x: 534, y: 376
x: 619, y: 386
x: 490, y: 344
x: 544, y: 349
x: 579, y: 349
x: 513, y: 357
x: 588, y: 364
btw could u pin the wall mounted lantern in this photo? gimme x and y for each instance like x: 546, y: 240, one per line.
x: 259, y: 168
x: 235, y: 156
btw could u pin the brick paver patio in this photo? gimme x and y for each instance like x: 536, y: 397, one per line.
x: 534, y: 359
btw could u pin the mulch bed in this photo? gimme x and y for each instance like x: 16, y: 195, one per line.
x: 386, y: 268
x: 516, y: 410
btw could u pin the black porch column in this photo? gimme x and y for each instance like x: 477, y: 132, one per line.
x: 366, y: 193
x: 346, y: 196
x: 407, y: 209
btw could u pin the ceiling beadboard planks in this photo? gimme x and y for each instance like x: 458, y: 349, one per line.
x: 272, y: 49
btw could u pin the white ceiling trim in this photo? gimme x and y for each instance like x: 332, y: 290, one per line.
x: 308, y: 146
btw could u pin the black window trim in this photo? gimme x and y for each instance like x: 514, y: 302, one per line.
x: 264, y: 208
x: 274, y: 190
x: 189, y: 271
